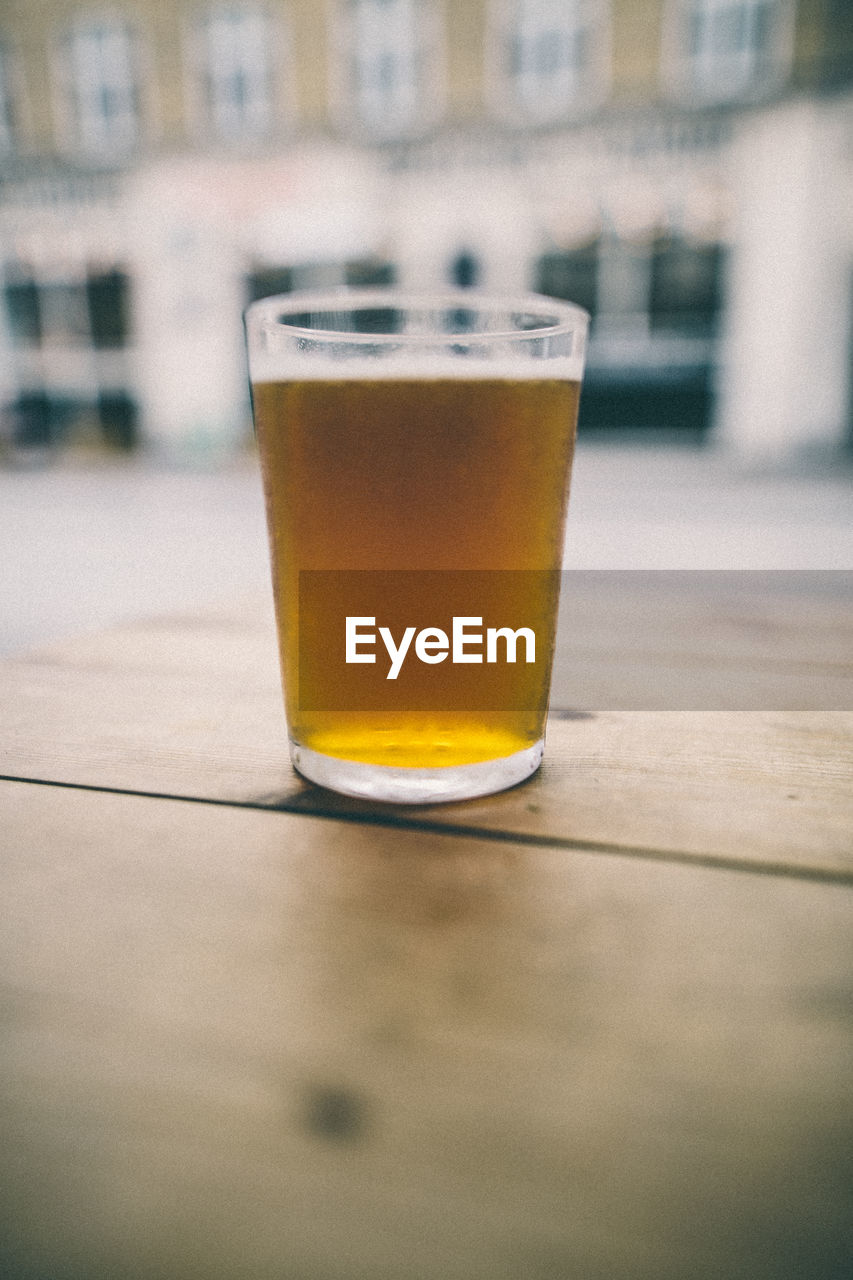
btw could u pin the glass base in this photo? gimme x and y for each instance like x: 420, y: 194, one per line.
x: 416, y: 786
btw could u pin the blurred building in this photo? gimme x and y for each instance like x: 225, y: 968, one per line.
x: 682, y: 168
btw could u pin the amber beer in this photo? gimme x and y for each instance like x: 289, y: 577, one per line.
x: 426, y: 479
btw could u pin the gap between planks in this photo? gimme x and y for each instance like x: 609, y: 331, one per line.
x: 304, y: 806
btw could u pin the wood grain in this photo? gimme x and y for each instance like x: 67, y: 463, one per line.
x: 252, y: 1045
x: 626, y: 641
x: 767, y: 789
x: 192, y: 707
x: 705, y: 641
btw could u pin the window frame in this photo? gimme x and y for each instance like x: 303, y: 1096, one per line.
x: 587, y: 86
x: 78, y: 126
x: 675, y: 304
x: 580, y: 263
x: 11, y: 98
x: 744, y: 73
x: 199, y: 77
x: 382, y: 123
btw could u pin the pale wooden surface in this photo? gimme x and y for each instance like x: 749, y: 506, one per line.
x: 192, y: 707
x: 244, y: 1044
x: 597, y: 1026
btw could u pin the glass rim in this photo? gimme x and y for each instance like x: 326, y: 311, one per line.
x: 558, y: 316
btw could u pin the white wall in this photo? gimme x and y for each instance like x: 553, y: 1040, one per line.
x: 188, y: 299
x: 784, y: 387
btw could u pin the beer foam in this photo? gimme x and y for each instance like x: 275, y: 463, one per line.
x: 267, y: 366
x: 523, y: 338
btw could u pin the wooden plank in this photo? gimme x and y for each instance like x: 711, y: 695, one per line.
x: 250, y: 1044
x: 769, y: 790
x: 213, y: 734
x: 234, y: 642
x: 191, y: 706
x: 705, y: 641
x: 772, y: 788
x: 626, y: 641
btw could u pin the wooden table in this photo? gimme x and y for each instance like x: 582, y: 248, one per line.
x: 597, y: 1026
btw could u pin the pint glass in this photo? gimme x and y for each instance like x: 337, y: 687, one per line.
x: 415, y: 454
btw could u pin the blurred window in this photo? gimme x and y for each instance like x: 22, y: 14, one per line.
x: 570, y: 274
x: 234, y: 45
x: 622, y: 287
x: 108, y: 298
x: 64, y: 312
x: 685, y: 286
x: 724, y: 50
x: 389, y: 57
x: 118, y: 414
x: 465, y: 270
x: 369, y: 273
x: 73, y: 312
x: 549, y: 59
x: 23, y: 313
x: 8, y: 121
x: 833, y: 65
x: 36, y: 420
x: 100, y: 78
x: 264, y: 282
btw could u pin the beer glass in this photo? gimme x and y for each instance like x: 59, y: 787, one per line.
x: 415, y: 453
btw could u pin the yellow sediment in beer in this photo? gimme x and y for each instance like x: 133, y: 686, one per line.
x: 415, y: 474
